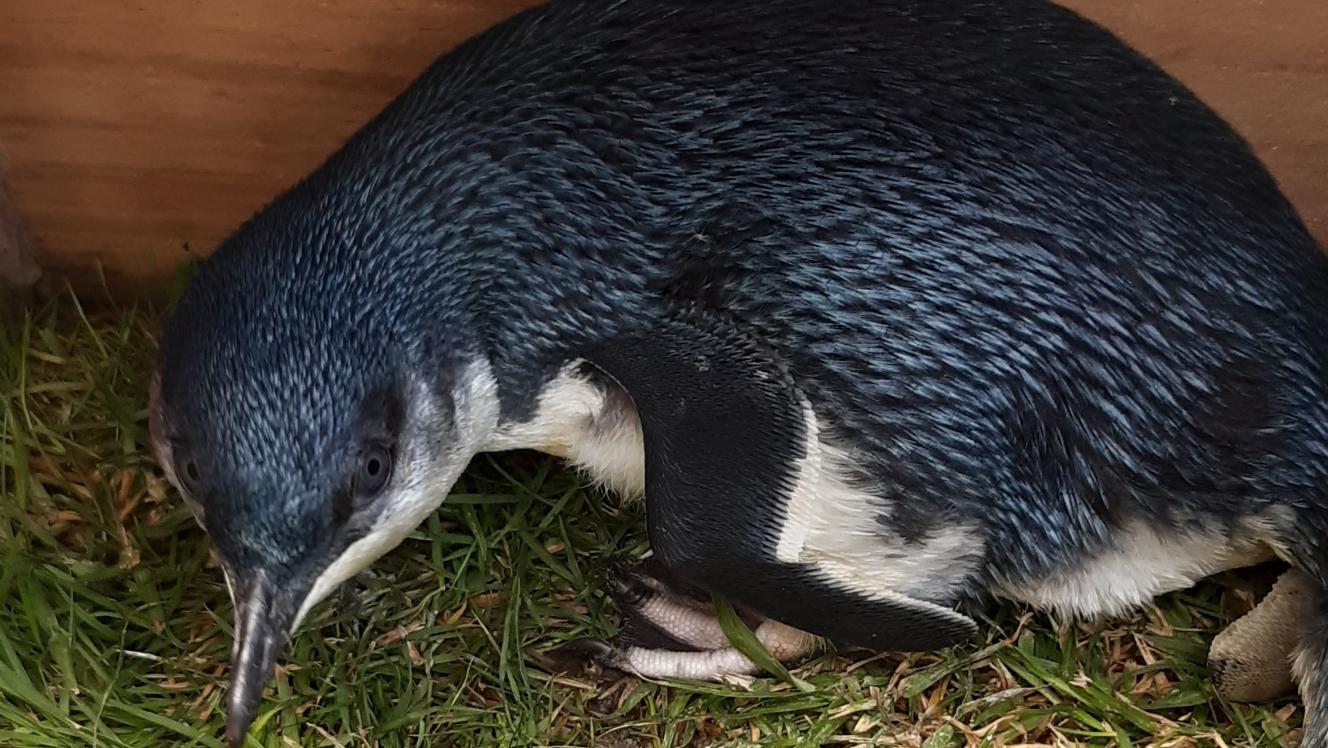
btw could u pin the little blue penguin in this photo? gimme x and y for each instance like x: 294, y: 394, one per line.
x: 884, y: 308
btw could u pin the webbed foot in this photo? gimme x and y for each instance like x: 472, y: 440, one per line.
x: 670, y: 630
x: 1250, y: 660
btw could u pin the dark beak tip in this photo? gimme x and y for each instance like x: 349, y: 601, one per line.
x: 263, y: 615
x: 236, y: 730
x: 242, y: 710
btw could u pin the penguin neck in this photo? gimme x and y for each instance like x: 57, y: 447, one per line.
x: 532, y: 351
x: 473, y: 257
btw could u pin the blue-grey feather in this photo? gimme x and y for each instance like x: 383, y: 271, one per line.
x: 1033, y: 280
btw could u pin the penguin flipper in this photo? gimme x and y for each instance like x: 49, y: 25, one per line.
x: 725, y: 431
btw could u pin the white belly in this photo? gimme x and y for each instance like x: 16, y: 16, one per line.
x: 1142, y: 563
x: 831, y: 519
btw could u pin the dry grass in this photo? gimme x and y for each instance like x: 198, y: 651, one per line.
x: 115, y: 627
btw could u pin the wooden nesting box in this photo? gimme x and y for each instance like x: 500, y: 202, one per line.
x: 139, y: 132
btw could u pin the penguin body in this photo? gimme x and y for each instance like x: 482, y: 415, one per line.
x: 884, y: 307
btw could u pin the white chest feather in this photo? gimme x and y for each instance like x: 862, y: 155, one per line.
x: 596, y: 431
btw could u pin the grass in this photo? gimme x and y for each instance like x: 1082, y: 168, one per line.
x: 115, y: 625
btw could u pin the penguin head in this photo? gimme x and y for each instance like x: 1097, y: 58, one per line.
x: 310, y: 427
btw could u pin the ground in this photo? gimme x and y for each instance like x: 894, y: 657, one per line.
x: 115, y: 625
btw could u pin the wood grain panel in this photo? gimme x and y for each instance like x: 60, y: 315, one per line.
x: 1262, y: 64
x: 137, y: 128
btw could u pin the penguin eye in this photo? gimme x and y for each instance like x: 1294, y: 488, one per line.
x: 189, y: 474
x: 374, y: 470
x: 371, y: 475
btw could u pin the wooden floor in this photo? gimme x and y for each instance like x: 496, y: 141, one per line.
x: 137, y: 129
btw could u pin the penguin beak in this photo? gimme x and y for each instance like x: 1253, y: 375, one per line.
x: 265, y: 613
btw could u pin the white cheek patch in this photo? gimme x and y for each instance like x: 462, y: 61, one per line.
x: 409, y: 507
x: 425, y: 474
x: 832, y: 524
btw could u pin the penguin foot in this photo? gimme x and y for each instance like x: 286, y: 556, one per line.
x: 669, y: 630
x: 661, y: 611
x: 786, y: 644
x: 1251, y: 660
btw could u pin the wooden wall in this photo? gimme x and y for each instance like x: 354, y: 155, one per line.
x: 135, y: 129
